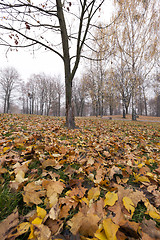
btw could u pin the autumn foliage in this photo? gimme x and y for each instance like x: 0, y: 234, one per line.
x: 100, y: 181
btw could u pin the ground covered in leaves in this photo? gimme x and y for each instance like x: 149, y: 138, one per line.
x: 100, y: 181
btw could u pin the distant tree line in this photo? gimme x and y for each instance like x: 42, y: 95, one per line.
x: 95, y: 93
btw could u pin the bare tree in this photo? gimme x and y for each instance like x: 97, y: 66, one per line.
x: 156, y: 87
x: 136, y: 35
x: 9, y: 79
x: 38, y: 23
x: 41, y: 94
x: 60, y: 91
x: 79, y: 95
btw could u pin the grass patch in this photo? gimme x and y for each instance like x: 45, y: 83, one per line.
x: 8, y: 201
x: 139, y: 212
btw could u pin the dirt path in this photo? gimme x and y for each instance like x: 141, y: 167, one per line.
x: 129, y: 118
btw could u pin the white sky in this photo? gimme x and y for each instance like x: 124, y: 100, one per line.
x: 28, y: 63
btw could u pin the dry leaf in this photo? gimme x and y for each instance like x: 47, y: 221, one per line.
x: 54, y: 225
x: 110, y: 229
x: 129, y: 205
x: 93, y: 194
x: 20, y: 229
x: 41, y: 212
x: 54, y: 212
x: 42, y: 232
x: 7, y: 225
x: 54, y: 186
x: 149, y: 227
x: 152, y: 211
x: 76, y: 222
x: 89, y: 225
x: 49, y: 162
x: 110, y: 199
x: 131, y: 229
x: 32, y: 193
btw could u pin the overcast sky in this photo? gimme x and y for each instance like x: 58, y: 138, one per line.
x: 27, y: 62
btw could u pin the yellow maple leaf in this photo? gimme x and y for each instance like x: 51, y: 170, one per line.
x: 154, y: 214
x: 23, y: 227
x: 100, y: 235
x: 37, y: 221
x: 152, y: 211
x: 140, y: 178
x: 5, y: 149
x: 93, y: 193
x: 84, y: 199
x: 129, y: 205
x: 41, y: 212
x: 110, y: 198
x: 31, y: 235
x: 110, y: 229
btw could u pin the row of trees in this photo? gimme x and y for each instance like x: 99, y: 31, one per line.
x: 42, y: 95
x: 127, y: 54
x: 95, y: 93
x: 126, y: 51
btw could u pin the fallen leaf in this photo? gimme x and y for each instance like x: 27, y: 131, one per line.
x: 49, y: 162
x: 76, y: 222
x: 41, y: 212
x: 110, y: 229
x: 89, y: 225
x: 149, y: 227
x: 42, y: 232
x: 32, y: 194
x: 37, y: 221
x: 93, y: 194
x: 110, y: 199
x: 54, y: 212
x: 101, y: 235
x: 20, y: 229
x: 129, y: 205
x: 129, y: 228
x: 20, y: 177
x: 7, y: 225
x: 54, y: 225
x: 152, y: 211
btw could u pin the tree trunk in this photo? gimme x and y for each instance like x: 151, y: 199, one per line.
x: 126, y: 107
x: 8, y: 103
x: 70, y: 119
x: 110, y: 110
x: 59, y: 105
x: 124, y: 112
x: 158, y: 105
x: 133, y: 103
x: 123, y: 106
x: 4, y: 109
x: 82, y: 107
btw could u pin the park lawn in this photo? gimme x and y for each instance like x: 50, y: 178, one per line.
x: 98, y: 181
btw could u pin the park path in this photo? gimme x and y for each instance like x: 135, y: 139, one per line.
x: 145, y: 119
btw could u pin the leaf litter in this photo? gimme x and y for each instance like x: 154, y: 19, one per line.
x: 100, y: 181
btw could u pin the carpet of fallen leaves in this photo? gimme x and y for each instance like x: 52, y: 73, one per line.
x: 99, y: 181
